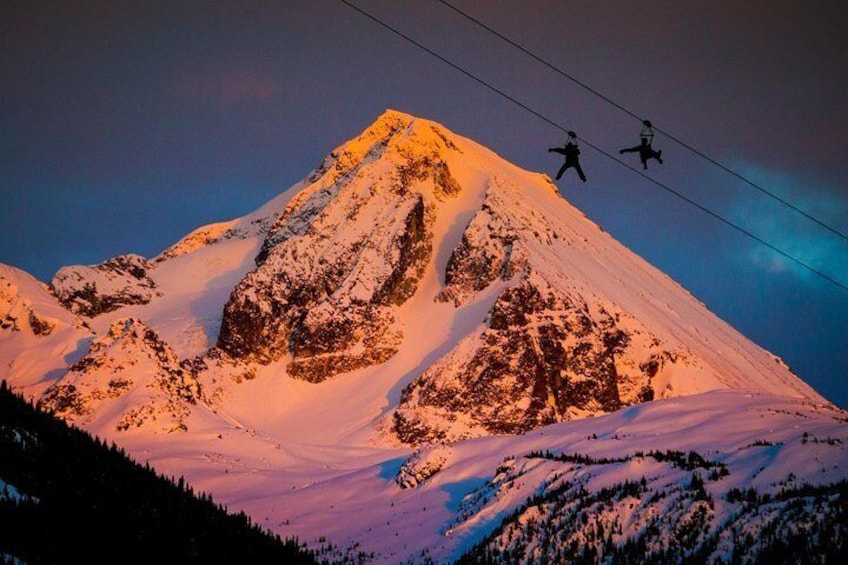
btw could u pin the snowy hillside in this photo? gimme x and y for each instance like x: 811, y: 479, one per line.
x: 769, y: 465
x: 39, y: 338
x: 338, y: 351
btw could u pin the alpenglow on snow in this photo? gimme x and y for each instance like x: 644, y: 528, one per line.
x: 412, y: 343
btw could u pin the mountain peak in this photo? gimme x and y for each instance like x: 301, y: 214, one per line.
x: 393, y: 136
x: 348, y: 250
x: 393, y: 119
x: 407, y: 220
x: 420, y: 257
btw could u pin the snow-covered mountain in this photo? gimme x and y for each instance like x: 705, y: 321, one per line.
x: 339, y: 349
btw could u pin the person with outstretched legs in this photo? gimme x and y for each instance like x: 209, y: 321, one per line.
x: 577, y: 168
x: 571, y: 152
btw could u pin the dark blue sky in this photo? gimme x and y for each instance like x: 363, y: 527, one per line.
x: 124, y: 125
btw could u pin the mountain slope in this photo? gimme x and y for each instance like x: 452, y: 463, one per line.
x: 749, y: 497
x: 770, y: 465
x: 191, y: 281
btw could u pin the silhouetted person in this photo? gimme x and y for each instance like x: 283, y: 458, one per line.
x: 571, y: 151
x: 644, y: 149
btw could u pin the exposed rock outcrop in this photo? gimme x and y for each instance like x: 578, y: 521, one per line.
x: 548, y: 352
x: 91, y: 291
x: 130, y: 376
x: 485, y: 254
x: 423, y: 464
x: 544, y: 357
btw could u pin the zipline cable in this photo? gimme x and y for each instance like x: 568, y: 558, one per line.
x: 669, y: 135
x: 551, y: 122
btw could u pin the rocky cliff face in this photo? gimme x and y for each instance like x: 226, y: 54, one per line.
x: 547, y: 353
x: 130, y: 377
x: 345, y: 253
x: 544, y: 356
x: 91, y: 291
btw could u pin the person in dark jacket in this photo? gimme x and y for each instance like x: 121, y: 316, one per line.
x: 644, y: 148
x: 571, y: 152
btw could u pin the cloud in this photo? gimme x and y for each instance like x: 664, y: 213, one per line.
x: 790, y: 231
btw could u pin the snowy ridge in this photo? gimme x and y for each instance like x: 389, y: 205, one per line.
x: 199, y: 238
x: 253, y: 225
x: 194, y: 278
x: 670, y: 497
x: 39, y: 338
